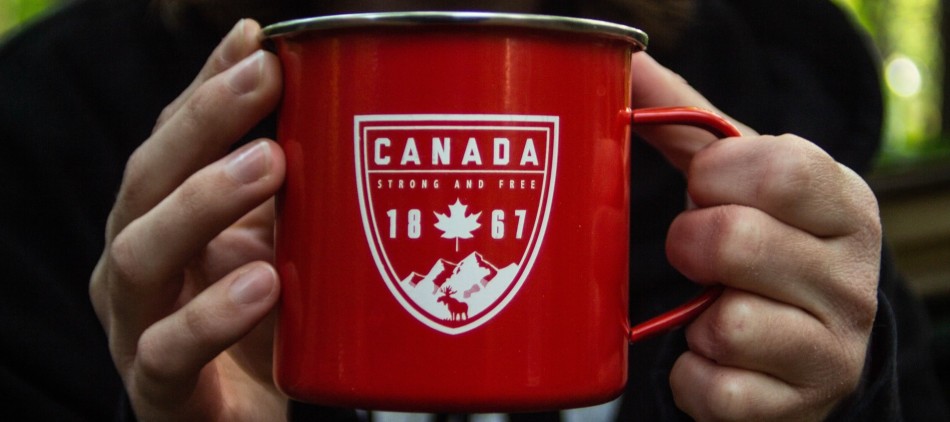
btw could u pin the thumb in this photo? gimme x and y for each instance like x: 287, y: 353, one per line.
x: 656, y: 86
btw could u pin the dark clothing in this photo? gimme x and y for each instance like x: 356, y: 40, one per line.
x: 81, y: 89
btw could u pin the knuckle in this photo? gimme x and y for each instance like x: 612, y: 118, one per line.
x: 730, y: 399
x: 152, y: 362
x: 124, y: 261
x: 736, y: 243
x: 792, y: 171
x: 727, y: 329
x: 149, y: 358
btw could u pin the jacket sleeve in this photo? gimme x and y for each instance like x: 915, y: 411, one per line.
x: 899, y: 382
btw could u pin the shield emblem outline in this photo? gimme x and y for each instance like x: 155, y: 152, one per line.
x: 363, y: 124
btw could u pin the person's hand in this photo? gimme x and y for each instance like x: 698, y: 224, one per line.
x: 184, y: 286
x: 795, y: 238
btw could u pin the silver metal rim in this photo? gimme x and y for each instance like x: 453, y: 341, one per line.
x: 515, y: 20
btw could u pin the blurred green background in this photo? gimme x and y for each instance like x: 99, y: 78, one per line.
x: 16, y: 12
x: 910, y: 34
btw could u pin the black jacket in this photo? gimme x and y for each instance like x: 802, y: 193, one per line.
x: 82, y: 88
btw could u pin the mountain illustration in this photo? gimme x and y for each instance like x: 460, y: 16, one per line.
x: 437, y: 275
x: 473, y: 281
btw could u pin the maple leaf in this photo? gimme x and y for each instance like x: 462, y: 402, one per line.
x: 457, y: 225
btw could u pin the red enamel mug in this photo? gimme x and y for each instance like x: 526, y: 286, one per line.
x: 453, y: 233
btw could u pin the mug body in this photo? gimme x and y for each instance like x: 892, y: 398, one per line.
x: 453, y: 231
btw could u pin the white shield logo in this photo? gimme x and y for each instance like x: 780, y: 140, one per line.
x: 455, y: 208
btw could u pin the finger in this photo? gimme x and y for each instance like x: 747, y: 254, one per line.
x: 657, y: 86
x: 707, y: 391
x: 745, y: 248
x: 747, y: 331
x: 239, y: 43
x: 249, y: 239
x: 152, y: 252
x: 787, y: 177
x: 219, y: 112
x: 173, y: 352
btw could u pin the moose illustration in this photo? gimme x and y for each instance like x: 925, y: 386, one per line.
x: 458, y: 309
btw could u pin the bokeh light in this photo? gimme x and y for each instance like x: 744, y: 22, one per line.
x: 902, y: 76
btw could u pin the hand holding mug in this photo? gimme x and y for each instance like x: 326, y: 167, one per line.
x: 796, y: 238
x: 184, y: 287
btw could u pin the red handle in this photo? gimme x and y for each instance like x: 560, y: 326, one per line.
x: 689, y: 116
x: 720, y: 127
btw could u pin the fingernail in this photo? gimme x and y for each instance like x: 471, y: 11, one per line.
x: 246, y: 75
x: 252, y: 286
x: 237, y: 34
x: 250, y: 165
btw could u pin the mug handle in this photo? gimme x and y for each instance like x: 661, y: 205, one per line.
x: 719, y: 126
